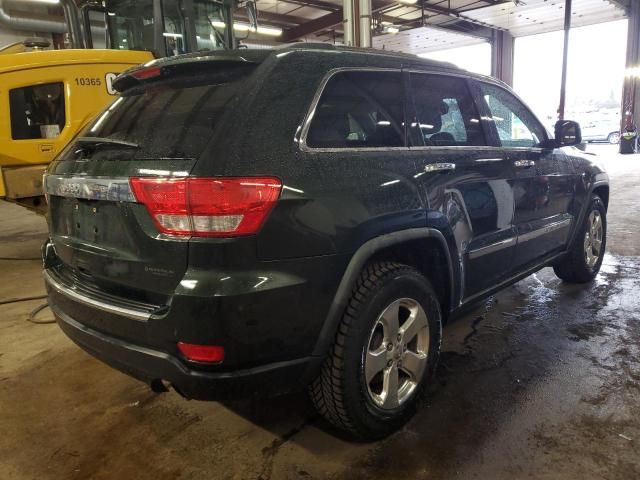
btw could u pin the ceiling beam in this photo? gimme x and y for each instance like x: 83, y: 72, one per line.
x: 320, y: 4
x: 459, y: 23
x: 279, y: 19
x: 323, y: 23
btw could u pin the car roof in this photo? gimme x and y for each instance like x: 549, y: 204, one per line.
x: 258, y: 55
x: 348, y: 57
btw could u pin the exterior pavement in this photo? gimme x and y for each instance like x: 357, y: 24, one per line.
x: 542, y: 381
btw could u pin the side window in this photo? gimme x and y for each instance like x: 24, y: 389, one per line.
x: 446, y: 113
x: 174, y: 38
x: 359, y: 109
x: 37, y: 111
x: 516, y: 125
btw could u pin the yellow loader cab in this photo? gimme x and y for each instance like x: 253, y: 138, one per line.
x: 49, y: 96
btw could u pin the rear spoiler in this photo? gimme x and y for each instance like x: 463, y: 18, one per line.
x: 161, y: 69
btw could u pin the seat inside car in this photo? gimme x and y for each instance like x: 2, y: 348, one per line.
x: 430, y: 112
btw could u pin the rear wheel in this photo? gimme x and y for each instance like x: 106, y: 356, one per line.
x: 386, y: 348
x: 584, y: 259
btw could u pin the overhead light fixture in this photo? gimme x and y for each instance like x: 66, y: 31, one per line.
x: 271, y: 31
x: 408, y: 2
x: 243, y: 27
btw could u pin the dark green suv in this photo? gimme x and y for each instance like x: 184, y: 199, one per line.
x: 307, y: 217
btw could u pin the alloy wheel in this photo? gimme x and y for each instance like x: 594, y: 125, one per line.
x: 593, y: 239
x: 396, y: 354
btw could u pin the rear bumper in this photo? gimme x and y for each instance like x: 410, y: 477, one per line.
x: 149, y: 365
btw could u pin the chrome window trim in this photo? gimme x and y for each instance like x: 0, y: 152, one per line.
x: 92, y: 302
x: 89, y: 188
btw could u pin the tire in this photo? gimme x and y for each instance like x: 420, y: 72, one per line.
x: 584, y: 259
x: 613, y: 138
x: 341, y: 393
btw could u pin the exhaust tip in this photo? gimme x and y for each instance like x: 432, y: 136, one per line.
x: 158, y: 386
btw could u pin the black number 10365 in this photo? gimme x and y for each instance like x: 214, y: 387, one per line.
x: 88, y: 82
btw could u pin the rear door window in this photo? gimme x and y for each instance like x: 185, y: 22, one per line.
x: 446, y: 114
x: 359, y: 110
x: 37, y: 112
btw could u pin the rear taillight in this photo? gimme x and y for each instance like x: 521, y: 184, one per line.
x: 207, y: 207
x: 201, y: 353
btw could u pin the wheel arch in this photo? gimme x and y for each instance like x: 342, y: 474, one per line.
x: 602, y: 191
x: 413, y: 246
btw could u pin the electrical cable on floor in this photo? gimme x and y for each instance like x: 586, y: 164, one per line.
x: 37, y: 310
x: 24, y: 299
x: 17, y: 259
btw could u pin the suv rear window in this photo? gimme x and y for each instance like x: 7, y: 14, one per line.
x: 359, y: 109
x: 169, y: 120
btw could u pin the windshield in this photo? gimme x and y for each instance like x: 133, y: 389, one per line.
x: 188, y: 26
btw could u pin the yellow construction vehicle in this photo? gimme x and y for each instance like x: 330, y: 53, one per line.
x: 47, y: 96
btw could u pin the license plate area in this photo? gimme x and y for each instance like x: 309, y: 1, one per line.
x: 91, y: 221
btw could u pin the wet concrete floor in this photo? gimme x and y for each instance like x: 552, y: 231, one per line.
x: 543, y: 382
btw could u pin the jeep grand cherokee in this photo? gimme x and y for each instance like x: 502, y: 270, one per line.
x: 310, y: 216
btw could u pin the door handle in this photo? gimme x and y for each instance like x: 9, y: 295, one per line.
x: 524, y: 163
x: 440, y: 167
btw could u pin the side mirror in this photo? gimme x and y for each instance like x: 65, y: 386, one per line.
x: 568, y: 133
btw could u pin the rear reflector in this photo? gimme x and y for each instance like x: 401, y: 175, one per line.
x: 207, y: 207
x: 201, y: 353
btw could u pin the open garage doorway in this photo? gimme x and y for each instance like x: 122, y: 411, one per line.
x: 596, y: 70
x: 475, y: 58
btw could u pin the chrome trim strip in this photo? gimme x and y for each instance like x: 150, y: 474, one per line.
x: 552, y: 227
x: 89, y: 188
x: 489, y: 160
x: 105, y: 307
x: 494, y: 247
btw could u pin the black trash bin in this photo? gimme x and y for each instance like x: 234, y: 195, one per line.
x: 629, y: 142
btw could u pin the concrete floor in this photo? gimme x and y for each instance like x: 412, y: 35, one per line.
x: 541, y: 382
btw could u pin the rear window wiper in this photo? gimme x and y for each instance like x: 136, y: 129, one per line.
x: 95, y: 143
